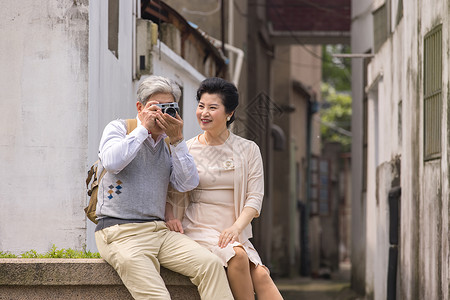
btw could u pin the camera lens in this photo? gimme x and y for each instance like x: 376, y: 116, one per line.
x: 171, y: 111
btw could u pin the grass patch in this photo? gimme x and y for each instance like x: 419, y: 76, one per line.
x: 53, y: 253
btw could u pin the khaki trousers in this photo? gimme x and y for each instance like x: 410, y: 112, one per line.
x: 137, y: 250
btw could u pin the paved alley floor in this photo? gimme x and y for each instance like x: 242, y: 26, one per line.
x: 304, y: 288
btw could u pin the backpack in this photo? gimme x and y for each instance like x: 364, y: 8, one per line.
x: 92, y: 176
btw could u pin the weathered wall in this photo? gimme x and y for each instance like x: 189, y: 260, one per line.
x: 433, y: 205
x: 387, y: 178
x: 281, y: 244
x: 296, y: 75
x: 396, y: 128
x: 331, y: 238
x: 305, y: 67
x: 411, y: 157
x: 384, y: 140
x: 44, y: 100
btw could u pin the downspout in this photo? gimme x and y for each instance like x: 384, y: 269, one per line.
x: 239, y: 59
x: 222, y: 25
x: 136, y: 15
x: 218, y: 44
x: 231, y: 33
x: 305, y: 268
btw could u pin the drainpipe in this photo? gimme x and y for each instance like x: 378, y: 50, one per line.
x: 222, y: 25
x: 305, y: 268
x: 394, y: 225
x: 218, y: 44
x: 239, y: 59
x: 231, y: 32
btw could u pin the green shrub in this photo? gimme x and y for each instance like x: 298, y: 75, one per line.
x: 53, y: 253
x: 7, y: 255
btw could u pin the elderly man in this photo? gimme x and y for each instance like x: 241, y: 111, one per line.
x: 131, y: 234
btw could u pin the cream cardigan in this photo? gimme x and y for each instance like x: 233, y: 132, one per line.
x: 248, y: 181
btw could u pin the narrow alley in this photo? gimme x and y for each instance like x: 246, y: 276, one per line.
x: 337, y: 287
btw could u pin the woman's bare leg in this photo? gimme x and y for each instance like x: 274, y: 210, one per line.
x: 264, y: 286
x: 238, y: 272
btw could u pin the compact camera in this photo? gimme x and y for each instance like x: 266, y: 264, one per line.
x: 169, y: 108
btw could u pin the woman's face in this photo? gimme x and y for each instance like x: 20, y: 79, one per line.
x: 211, y: 113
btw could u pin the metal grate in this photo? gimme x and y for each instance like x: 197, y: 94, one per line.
x: 432, y: 90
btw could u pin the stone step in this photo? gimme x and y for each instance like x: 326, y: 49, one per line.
x: 53, y: 278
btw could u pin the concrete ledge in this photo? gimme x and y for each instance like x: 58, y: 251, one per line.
x: 24, y: 278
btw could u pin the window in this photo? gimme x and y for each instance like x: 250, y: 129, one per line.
x: 432, y: 79
x: 324, y: 187
x: 400, y: 122
x: 320, y: 187
x: 380, y: 26
x: 399, y: 14
x: 113, y: 27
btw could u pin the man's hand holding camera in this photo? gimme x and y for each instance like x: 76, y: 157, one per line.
x: 147, y: 115
x: 158, y: 122
x: 173, y: 127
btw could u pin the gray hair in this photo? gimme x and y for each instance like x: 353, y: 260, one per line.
x: 157, y: 85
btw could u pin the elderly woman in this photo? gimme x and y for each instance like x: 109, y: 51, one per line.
x: 218, y: 213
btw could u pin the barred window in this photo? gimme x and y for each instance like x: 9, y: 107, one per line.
x: 432, y: 90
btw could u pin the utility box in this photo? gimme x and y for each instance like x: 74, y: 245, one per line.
x: 146, y: 38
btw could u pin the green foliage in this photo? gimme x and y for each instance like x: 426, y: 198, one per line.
x: 53, y: 253
x: 336, y: 119
x: 7, y: 255
x: 336, y: 111
x: 336, y: 71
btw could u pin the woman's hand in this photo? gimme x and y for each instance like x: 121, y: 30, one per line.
x: 172, y: 223
x: 229, y: 235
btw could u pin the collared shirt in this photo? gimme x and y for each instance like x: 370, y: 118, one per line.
x: 117, y: 150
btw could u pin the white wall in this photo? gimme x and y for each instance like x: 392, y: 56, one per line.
x: 111, y: 87
x: 43, y: 99
x: 434, y: 190
x: 361, y: 42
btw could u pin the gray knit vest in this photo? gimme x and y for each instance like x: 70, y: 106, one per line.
x: 138, y: 192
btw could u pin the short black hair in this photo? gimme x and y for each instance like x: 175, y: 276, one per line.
x: 226, y: 91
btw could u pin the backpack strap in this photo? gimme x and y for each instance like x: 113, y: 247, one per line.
x: 101, y: 175
x: 91, y: 173
x: 131, y: 125
x: 167, y: 140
